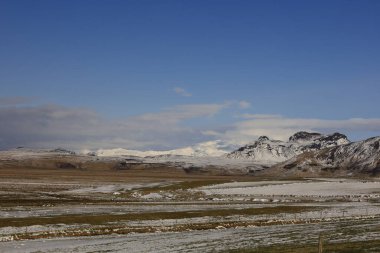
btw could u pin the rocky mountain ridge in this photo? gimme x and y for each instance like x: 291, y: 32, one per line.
x: 362, y: 157
x: 303, y: 155
x: 265, y: 150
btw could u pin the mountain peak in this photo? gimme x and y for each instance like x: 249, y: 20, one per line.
x: 263, y: 138
x: 362, y: 157
x: 334, y: 137
x: 304, y: 136
x: 265, y: 150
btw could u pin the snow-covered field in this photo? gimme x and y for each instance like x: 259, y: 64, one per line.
x: 292, y: 188
x: 215, y: 240
x: 209, y: 218
x: 141, y: 207
x: 53, y: 201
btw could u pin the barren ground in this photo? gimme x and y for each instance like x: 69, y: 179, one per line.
x: 99, y: 206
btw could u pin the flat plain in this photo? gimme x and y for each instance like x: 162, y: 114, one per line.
x: 86, y: 204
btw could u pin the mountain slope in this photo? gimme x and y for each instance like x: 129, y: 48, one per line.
x: 352, y: 159
x: 265, y: 150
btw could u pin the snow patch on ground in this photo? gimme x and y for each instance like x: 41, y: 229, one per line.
x: 152, y: 195
x: 115, y: 188
x: 341, y: 188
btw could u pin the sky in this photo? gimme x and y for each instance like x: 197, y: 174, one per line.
x: 167, y: 74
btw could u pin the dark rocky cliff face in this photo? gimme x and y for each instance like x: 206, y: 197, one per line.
x: 304, y: 136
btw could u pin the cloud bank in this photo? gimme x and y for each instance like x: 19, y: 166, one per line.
x: 278, y: 127
x: 50, y: 126
x: 80, y: 128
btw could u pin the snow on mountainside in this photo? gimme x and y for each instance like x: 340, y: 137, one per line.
x: 265, y: 150
x: 210, y: 148
x: 362, y: 157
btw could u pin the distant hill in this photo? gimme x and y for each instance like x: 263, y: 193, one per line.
x: 204, y: 149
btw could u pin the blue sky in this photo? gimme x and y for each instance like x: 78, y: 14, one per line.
x: 123, y: 60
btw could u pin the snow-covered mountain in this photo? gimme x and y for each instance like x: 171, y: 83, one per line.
x: 362, y: 157
x: 304, y: 154
x: 265, y: 150
x: 210, y: 148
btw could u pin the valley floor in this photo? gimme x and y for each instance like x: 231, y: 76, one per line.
x: 150, y: 211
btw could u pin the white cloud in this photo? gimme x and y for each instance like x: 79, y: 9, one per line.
x: 244, y: 104
x: 211, y: 133
x: 260, y: 116
x: 278, y: 127
x: 182, y: 92
x: 79, y: 128
x: 181, y: 112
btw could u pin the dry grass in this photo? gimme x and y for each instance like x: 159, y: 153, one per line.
x: 90, y: 170
x: 108, y: 218
x: 372, y: 246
